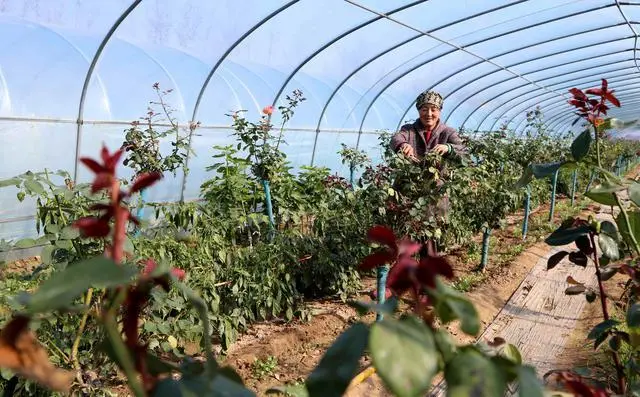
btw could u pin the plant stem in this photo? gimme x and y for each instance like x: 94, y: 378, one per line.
x: 605, y: 313
x: 625, y: 215
x: 119, y: 229
x: 83, y: 322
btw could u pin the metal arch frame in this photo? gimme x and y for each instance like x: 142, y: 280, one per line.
x: 635, y: 41
x: 524, y: 119
x: 530, y: 98
x: 456, y: 48
x: 524, y: 74
x: 388, y: 50
x: 536, y: 89
x: 87, y: 80
x: 333, y: 41
x: 556, y: 102
x: 563, y: 106
x: 526, y: 61
x: 213, y: 70
x: 462, y: 48
x: 534, y: 71
x: 461, y: 102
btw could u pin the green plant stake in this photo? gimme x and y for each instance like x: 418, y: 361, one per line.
x: 573, y: 187
x: 267, y: 194
x: 351, y: 172
x: 485, y: 248
x: 381, y: 275
x: 554, y: 184
x: 591, y: 179
x: 527, y: 208
x: 140, y: 211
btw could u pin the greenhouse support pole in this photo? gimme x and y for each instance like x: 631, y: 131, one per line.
x: 267, y: 194
x: 573, y: 187
x: 381, y: 277
x: 527, y: 206
x: 554, y: 183
x: 485, y: 248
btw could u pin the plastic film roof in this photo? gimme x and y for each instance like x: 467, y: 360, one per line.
x: 74, y: 74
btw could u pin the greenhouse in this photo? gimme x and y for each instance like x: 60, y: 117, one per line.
x: 319, y: 198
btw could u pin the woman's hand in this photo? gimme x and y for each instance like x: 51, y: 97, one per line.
x: 408, y: 151
x: 441, y: 149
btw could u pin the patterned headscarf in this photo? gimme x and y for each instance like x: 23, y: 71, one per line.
x: 429, y: 98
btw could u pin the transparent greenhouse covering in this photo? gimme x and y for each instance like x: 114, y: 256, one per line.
x: 74, y: 74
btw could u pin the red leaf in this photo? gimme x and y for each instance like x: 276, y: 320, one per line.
x: 399, y: 279
x: 93, y: 227
x: 430, y: 267
x: 408, y: 247
x: 113, y: 160
x: 594, y: 91
x: 578, y: 94
x: 92, y: 165
x: 382, y: 235
x: 101, y: 207
x: 101, y: 181
x: 376, y: 259
x: 145, y: 180
x: 605, y: 84
x: 611, y: 98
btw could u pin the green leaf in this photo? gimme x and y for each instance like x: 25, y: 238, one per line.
x: 609, y: 246
x: 591, y: 296
x: 445, y: 344
x: 525, y: 179
x: 451, y: 305
x: 610, y: 229
x: 634, y: 222
x: 388, y: 307
x: 580, y: 145
x: 607, y: 187
x: 404, y: 355
x: 34, y: 186
x: 563, y: 236
x: 555, y: 259
x: 543, y: 170
x: 634, y: 193
x: 70, y: 233
x: 338, y: 366
x: 10, y: 182
x: 472, y: 374
x: 52, y: 228
x: 47, y: 254
x: 25, y: 243
x: 530, y: 386
x: 511, y: 353
x: 63, y: 287
x: 291, y: 391
x: 602, y: 328
x: 633, y: 315
x: 602, y: 198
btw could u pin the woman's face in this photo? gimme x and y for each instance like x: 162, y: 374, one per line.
x: 429, y: 115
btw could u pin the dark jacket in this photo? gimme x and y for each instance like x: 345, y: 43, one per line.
x: 414, y: 135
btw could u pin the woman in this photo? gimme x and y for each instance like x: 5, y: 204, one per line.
x: 429, y: 134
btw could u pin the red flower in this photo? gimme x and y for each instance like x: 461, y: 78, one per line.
x: 150, y: 265
x: 268, y: 110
